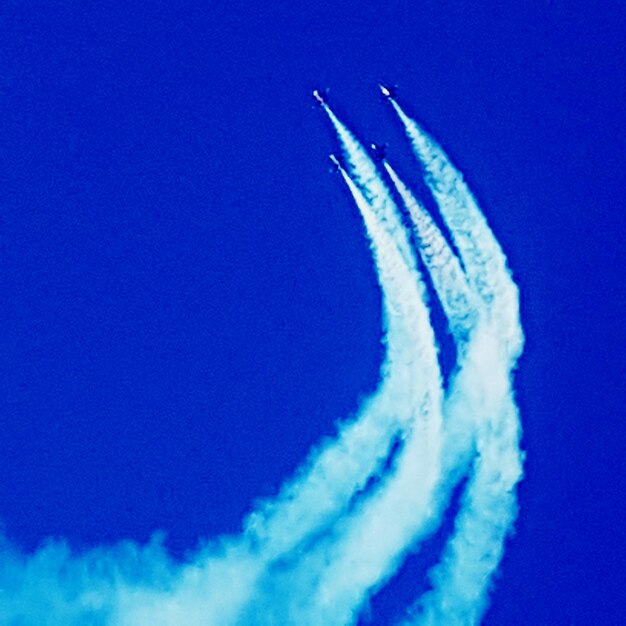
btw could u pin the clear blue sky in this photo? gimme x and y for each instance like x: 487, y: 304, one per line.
x: 187, y: 299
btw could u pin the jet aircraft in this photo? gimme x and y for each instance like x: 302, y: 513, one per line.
x: 335, y: 161
x: 388, y: 92
x: 379, y: 151
x: 320, y: 96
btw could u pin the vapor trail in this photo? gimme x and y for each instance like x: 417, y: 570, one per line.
x: 460, y: 583
x: 489, y: 506
x: 365, y: 547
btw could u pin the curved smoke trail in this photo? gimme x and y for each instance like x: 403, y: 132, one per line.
x: 339, y: 529
x: 489, y: 505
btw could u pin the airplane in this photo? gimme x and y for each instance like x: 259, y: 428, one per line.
x: 320, y: 96
x: 335, y: 161
x: 379, y: 151
x: 388, y: 92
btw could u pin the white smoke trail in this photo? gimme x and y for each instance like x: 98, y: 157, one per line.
x: 463, y: 313
x: 489, y: 506
x: 364, y: 548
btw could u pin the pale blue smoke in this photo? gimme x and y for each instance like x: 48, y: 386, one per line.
x: 462, y: 579
x: 315, y: 553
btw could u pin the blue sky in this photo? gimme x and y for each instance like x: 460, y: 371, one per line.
x: 188, y: 299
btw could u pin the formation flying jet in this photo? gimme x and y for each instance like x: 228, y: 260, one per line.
x: 379, y: 151
x: 388, y: 92
x: 335, y: 161
x: 320, y: 96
